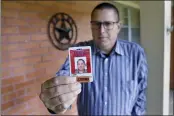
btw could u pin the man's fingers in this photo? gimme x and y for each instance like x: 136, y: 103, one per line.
x: 62, y: 102
x: 51, y: 103
x: 58, y: 81
x: 64, y: 106
x: 67, y: 104
x: 67, y: 96
x: 59, y: 90
x: 56, y: 101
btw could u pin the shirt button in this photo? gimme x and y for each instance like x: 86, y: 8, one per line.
x: 105, y: 88
x: 106, y: 60
x: 105, y: 103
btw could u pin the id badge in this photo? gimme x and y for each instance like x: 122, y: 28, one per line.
x: 81, y: 63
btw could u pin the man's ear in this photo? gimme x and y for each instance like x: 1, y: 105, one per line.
x: 120, y: 25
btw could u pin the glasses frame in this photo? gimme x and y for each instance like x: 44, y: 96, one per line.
x: 102, y: 23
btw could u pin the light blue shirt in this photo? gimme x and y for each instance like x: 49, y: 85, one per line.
x: 119, y: 84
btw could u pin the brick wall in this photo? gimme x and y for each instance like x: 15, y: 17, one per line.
x: 28, y: 58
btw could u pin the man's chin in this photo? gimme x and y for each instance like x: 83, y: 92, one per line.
x: 103, y: 44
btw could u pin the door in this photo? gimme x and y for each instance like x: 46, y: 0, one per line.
x: 172, y: 54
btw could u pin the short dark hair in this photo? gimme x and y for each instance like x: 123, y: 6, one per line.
x: 106, y: 5
x: 81, y: 60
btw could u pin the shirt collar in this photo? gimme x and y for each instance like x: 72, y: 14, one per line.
x: 117, y: 48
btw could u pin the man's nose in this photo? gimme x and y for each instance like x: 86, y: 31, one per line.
x: 102, y: 28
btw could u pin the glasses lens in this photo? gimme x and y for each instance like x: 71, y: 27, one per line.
x: 107, y: 25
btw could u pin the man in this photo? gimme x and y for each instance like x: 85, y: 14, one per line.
x: 119, y: 72
x: 81, y: 66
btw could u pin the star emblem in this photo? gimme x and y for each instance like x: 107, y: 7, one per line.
x: 62, y: 31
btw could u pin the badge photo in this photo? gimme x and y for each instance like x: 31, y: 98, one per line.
x: 81, y: 63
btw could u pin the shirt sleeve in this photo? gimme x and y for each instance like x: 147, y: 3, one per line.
x: 140, y: 103
x: 65, y: 69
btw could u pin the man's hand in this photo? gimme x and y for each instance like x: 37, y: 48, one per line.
x: 59, y: 93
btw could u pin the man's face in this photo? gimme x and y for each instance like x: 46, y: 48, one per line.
x: 80, y: 65
x: 105, y: 34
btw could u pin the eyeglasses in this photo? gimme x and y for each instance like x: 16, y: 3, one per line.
x: 108, y: 25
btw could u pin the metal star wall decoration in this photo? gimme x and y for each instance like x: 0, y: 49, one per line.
x: 62, y: 31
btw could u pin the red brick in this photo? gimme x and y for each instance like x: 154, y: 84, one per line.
x: 52, y: 71
x: 11, y: 63
x: 17, y: 108
x: 29, y: 15
x: 5, y: 55
x: 46, y: 44
x: 7, y: 105
x: 53, y: 49
x: 28, y: 30
x: 39, y: 51
x: 25, y: 53
x: 32, y: 6
x: 9, y: 13
x: 9, y: 30
x: 22, y: 69
x: 57, y: 52
x: 45, y: 76
x: 18, y: 54
x: 7, y: 89
x: 43, y: 79
x: 28, y: 2
x: 37, y: 104
x: 38, y: 22
x: 12, y: 80
x: 31, y: 60
x: 44, y: 64
x: 36, y: 74
x: 24, y: 84
x: 6, y: 73
x: 15, y: 22
x: 46, y: 14
x: 13, y: 5
x: 39, y: 37
x: 24, y: 99
x: 29, y: 45
x: 32, y: 90
x: 20, y: 93
x: 17, y: 38
x: 9, y: 97
x: 37, y: 86
x: 18, y: 46
x: 48, y: 57
x: 3, y: 39
x: 37, y: 100
x: 2, y: 21
x: 43, y: 30
x: 26, y: 111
